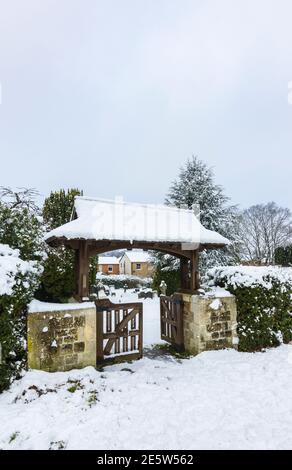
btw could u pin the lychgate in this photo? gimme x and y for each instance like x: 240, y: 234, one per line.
x: 99, y: 226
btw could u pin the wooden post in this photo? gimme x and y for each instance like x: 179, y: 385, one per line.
x: 194, y: 271
x: 184, y: 274
x: 99, y: 332
x: 82, y: 271
x: 140, y: 337
x: 77, y: 292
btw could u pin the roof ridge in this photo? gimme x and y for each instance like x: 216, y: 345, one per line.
x: 145, y: 204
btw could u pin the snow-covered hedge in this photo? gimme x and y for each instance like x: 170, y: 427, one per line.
x: 13, y: 269
x: 264, y: 303
x: 18, y: 280
x: 119, y: 280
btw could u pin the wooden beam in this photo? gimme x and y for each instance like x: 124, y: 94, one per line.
x: 194, y: 284
x: 82, y: 270
x: 173, y: 249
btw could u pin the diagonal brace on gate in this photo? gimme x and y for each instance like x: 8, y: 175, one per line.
x: 109, y: 316
x: 119, y: 330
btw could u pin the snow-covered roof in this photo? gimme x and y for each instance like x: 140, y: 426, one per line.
x: 137, y: 256
x: 108, y: 260
x: 101, y: 219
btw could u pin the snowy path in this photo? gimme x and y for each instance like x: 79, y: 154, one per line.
x: 217, y: 400
x: 151, y: 315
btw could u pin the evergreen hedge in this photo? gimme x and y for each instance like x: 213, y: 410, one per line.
x: 170, y: 276
x: 118, y: 281
x: 21, y: 253
x: 264, y: 303
x: 18, y: 282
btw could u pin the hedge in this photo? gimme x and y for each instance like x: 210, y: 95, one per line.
x: 118, y: 281
x: 283, y: 255
x: 264, y: 303
x: 18, y: 280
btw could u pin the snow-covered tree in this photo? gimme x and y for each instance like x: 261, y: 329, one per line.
x: 21, y: 227
x: 21, y: 198
x: 195, y: 186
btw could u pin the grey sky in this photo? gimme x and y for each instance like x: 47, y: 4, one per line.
x: 113, y: 96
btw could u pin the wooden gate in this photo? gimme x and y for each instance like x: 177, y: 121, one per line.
x: 171, y: 320
x: 119, y: 331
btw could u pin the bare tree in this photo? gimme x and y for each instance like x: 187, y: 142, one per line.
x: 263, y: 228
x: 22, y: 198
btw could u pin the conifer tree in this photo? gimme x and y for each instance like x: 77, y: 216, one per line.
x: 58, y: 281
x: 58, y: 207
x: 195, y: 186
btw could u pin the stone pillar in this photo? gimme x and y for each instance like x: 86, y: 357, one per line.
x: 62, y: 339
x: 209, y: 323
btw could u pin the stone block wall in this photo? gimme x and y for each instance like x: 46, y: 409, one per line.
x: 62, y: 340
x: 209, y: 323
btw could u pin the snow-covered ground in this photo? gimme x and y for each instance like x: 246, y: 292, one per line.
x: 217, y: 400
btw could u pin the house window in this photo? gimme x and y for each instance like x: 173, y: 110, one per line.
x: 110, y: 268
x: 138, y: 265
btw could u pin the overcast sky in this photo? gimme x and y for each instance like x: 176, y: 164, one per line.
x: 112, y: 96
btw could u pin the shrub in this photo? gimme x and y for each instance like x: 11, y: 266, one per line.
x: 57, y: 280
x: 167, y: 270
x: 21, y: 253
x: 264, y: 303
x: 170, y: 277
x: 18, y: 280
x: 283, y: 255
x: 22, y: 230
